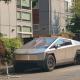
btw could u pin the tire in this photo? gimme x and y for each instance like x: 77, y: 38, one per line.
x: 77, y: 59
x: 49, y: 63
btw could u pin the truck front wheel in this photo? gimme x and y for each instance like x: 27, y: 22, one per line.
x: 49, y: 63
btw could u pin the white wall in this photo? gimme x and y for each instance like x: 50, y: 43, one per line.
x: 8, y: 18
x: 57, y: 15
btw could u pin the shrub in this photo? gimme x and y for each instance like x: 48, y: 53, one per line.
x: 67, y: 35
x: 10, y: 46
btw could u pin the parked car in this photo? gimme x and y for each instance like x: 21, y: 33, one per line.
x: 47, y: 52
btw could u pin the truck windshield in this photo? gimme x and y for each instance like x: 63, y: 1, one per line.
x: 40, y: 42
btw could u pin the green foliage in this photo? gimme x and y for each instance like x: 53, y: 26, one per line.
x: 76, y: 7
x: 67, y: 34
x: 10, y: 46
x: 1, y: 35
x: 74, y: 25
x: 12, y: 43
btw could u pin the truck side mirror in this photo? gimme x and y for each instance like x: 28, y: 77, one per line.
x: 55, y: 46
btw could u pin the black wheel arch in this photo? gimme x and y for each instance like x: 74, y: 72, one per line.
x: 77, y: 57
x: 52, y: 55
x: 78, y: 51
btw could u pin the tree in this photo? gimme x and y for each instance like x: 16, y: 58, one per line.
x: 74, y: 25
x: 7, y: 50
x: 76, y: 7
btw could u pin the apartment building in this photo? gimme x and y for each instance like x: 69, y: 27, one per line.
x: 51, y: 19
x: 16, y: 18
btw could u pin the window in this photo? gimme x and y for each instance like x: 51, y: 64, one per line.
x: 19, y: 28
x: 23, y: 16
x: 67, y: 42
x: 18, y: 15
x: 25, y: 3
x: 59, y: 42
x: 42, y: 42
x: 26, y: 29
x: 62, y: 42
x: 26, y: 16
x: 18, y: 3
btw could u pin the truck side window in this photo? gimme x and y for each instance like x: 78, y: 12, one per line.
x: 62, y: 42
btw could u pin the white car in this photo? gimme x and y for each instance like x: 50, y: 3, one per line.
x: 47, y: 52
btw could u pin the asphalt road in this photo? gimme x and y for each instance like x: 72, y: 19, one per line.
x: 69, y: 72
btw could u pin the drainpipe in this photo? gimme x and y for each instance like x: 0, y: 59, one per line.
x: 49, y: 17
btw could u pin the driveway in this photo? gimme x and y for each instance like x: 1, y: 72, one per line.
x: 68, y: 72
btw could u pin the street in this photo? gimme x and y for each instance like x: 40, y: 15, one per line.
x: 68, y: 72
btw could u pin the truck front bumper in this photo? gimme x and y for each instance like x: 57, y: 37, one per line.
x: 29, y: 57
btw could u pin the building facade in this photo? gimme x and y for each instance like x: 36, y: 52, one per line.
x: 52, y: 17
x: 16, y: 18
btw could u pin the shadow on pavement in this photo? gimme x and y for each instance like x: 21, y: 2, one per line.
x: 34, y: 70
x: 39, y: 70
x: 64, y: 66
